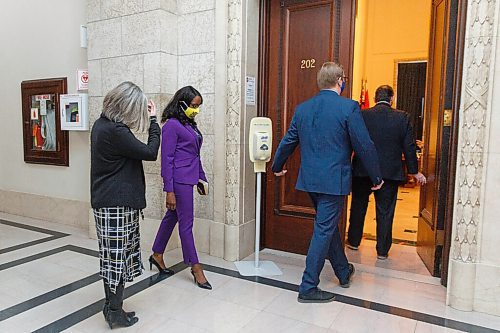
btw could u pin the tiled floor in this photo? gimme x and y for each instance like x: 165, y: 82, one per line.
x: 51, y: 286
x: 404, y: 230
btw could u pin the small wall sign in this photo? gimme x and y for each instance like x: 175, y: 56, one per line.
x: 82, y: 79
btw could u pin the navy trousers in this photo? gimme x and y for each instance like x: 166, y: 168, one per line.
x: 325, y: 242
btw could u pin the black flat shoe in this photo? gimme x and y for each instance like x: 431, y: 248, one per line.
x: 205, y: 285
x: 316, y: 296
x: 152, y: 262
x: 347, y: 282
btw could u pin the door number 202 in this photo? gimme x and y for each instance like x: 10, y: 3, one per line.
x: 307, y: 63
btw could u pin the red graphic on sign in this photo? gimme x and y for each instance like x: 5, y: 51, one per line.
x: 85, y: 77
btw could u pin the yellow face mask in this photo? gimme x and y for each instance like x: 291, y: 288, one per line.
x: 191, y: 112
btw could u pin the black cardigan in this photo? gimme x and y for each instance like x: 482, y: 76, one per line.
x: 116, y: 171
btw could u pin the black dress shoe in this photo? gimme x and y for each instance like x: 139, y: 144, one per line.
x: 204, y: 285
x: 165, y: 271
x: 352, y: 247
x: 347, y: 282
x: 316, y: 296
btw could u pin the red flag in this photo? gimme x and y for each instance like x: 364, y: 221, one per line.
x: 366, y: 101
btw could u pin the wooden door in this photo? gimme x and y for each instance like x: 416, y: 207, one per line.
x: 298, y: 36
x: 429, y: 237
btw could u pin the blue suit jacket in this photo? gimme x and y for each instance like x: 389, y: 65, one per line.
x: 328, y: 128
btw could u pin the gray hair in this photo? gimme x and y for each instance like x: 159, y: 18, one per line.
x: 329, y: 74
x: 126, y: 103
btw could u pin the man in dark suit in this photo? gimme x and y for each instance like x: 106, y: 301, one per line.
x: 392, y: 133
x: 327, y: 127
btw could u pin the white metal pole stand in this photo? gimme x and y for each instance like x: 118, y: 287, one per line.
x: 257, y: 218
x: 260, y: 153
x: 257, y: 267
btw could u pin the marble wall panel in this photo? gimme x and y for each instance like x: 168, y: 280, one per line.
x: 201, y: 230
x: 119, y: 8
x: 169, y: 73
x: 152, y: 73
x: 204, y: 204
x: 93, y: 10
x: 168, y: 5
x: 198, y: 37
x: 168, y: 32
x: 217, y: 239
x: 117, y: 70
x: 205, y: 119
x: 104, y: 39
x: 191, y: 6
x: 154, y: 197
x: 140, y: 32
x: 197, y: 70
x: 487, y: 295
x: 95, y: 73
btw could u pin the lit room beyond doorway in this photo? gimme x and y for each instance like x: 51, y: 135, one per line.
x: 391, y: 48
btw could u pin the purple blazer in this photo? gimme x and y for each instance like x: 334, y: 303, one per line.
x: 180, y: 155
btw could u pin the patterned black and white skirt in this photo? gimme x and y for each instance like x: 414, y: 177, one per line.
x: 119, y: 244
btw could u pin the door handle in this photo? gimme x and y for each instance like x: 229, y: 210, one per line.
x: 422, y: 108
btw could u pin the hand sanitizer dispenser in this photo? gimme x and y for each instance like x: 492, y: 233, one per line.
x: 260, y: 145
x: 260, y: 142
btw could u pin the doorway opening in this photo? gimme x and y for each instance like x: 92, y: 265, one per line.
x: 414, y: 46
x: 391, y: 48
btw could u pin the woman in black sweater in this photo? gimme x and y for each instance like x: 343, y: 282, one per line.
x: 118, y: 190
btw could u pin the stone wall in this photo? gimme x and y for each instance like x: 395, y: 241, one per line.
x: 135, y: 40
x: 474, y: 278
x: 165, y: 45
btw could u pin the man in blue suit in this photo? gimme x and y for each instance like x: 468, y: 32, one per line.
x: 328, y: 128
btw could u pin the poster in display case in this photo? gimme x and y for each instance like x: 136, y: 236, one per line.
x: 44, y: 141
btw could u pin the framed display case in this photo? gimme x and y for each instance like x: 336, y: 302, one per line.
x: 74, y: 112
x: 44, y: 141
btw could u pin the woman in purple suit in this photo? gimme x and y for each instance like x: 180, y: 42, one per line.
x: 181, y: 170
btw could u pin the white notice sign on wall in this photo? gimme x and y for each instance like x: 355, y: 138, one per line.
x: 250, y: 90
x: 82, y: 79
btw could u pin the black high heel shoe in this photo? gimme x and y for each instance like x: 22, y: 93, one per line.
x: 205, y: 285
x: 166, y: 271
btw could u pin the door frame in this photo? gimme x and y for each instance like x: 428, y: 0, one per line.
x: 262, y: 107
x: 452, y: 161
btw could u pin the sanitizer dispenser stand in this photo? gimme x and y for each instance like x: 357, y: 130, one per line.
x: 260, y: 145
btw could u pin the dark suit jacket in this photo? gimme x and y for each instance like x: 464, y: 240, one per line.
x: 328, y: 127
x: 392, y: 133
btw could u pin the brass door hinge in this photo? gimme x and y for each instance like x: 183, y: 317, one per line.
x: 448, y: 117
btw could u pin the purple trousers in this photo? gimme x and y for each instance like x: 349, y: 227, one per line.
x: 184, y: 214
